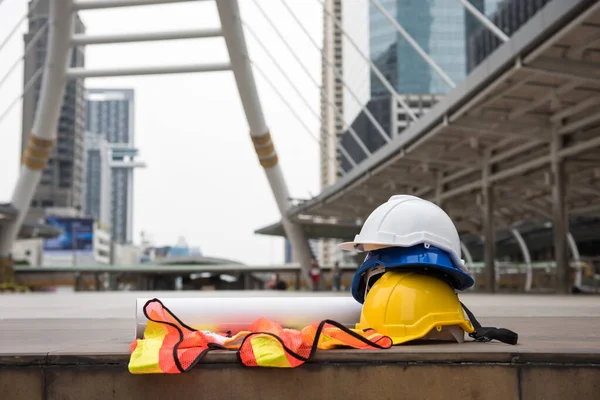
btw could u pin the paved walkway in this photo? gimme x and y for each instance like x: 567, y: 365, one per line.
x: 89, y: 328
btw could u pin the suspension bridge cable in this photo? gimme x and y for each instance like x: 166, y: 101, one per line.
x: 338, y: 75
x: 28, y: 48
x: 276, y: 63
x: 26, y: 89
x: 374, y: 68
x: 337, y: 111
x: 294, y: 113
x: 16, y: 27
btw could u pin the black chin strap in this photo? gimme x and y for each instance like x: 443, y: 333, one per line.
x: 487, y: 334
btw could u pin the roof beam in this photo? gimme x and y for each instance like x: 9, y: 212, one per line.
x: 525, y: 167
x: 522, y: 110
x: 579, y: 123
x: 576, y: 52
x: 577, y: 108
x: 591, y: 209
x: 500, y: 122
x: 581, y: 70
x: 483, y: 129
x: 510, y: 88
x: 439, y: 160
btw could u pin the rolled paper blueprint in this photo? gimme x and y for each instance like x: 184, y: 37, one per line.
x: 235, y: 314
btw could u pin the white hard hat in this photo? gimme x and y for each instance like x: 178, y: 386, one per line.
x: 405, y: 221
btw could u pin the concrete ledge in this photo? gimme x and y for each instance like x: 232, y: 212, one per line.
x: 311, y: 381
x: 442, y: 354
x: 558, y: 382
x: 82, y: 352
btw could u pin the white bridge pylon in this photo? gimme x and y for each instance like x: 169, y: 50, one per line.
x: 56, y: 73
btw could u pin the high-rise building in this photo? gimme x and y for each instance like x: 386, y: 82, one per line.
x: 98, y: 187
x: 110, y: 115
x: 62, y: 180
x: 442, y: 29
x: 332, y: 93
x: 509, y: 15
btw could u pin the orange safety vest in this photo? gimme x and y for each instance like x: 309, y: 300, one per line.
x: 169, y: 346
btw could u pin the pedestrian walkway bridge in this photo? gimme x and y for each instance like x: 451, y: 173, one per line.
x: 531, y: 103
x: 515, y: 143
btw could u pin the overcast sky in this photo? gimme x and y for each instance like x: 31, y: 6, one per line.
x: 203, y: 180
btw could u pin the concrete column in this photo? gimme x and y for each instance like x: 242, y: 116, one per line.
x: 560, y: 220
x: 247, y: 281
x: 488, y: 225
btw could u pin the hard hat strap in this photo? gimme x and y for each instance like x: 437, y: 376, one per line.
x: 487, y: 334
x: 371, y: 273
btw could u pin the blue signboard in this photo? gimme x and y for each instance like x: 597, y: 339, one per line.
x: 179, y: 251
x: 77, y: 235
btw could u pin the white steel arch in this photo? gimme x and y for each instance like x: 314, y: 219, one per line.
x: 56, y: 72
x: 576, y: 259
x: 467, y: 254
x: 242, y: 70
x: 526, y: 257
x: 42, y: 137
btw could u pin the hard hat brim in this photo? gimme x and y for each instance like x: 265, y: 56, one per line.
x: 361, y: 247
x: 427, y: 260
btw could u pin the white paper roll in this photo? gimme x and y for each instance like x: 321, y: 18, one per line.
x: 222, y: 314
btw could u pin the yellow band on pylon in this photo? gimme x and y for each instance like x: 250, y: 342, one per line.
x: 265, y: 150
x: 261, y: 140
x: 269, y: 162
x: 37, y: 152
x: 36, y: 165
x: 39, y: 142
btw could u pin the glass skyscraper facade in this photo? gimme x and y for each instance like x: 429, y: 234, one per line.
x: 443, y: 29
x: 440, y: 27
x: 510, y: 15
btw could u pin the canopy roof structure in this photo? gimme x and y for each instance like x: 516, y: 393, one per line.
x: 533, y: 101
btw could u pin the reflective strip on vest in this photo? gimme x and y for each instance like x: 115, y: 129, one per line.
x: 170, y: 346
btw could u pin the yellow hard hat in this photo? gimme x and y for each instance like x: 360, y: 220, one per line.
x: 408, y: 305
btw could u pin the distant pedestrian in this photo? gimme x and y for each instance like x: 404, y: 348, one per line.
x: 276, y: 283
x: 336, y: 277
x: 315, y: 274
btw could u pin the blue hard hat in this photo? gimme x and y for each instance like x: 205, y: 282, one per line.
x: 419, y: 258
